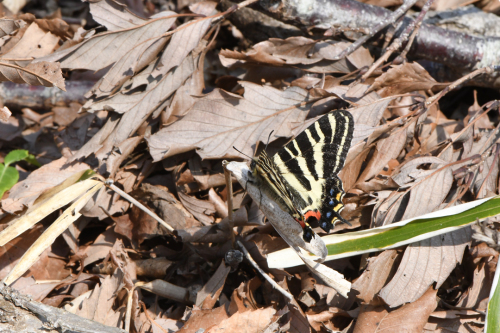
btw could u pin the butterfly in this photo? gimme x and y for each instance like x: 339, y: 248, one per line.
x: 302, y: 177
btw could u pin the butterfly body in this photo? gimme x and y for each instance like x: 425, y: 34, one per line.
x: 302, y: 176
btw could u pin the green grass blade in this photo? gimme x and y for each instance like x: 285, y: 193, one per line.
x: 492, y: 323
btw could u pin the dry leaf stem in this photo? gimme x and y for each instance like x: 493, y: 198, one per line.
x: 138, y: 204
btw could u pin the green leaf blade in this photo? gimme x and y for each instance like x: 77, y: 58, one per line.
x: 8, y: 178
x: 390, y: 237
x: 16, y: 156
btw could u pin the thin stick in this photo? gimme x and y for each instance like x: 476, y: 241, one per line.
x: 396, y: 44
x: 419, y: 21
x: 229, y: 185
x: 433, y: 100
x: 271, y: 281
x: 373, y: 31
x: 110, y: 184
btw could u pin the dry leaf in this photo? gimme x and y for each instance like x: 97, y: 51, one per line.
x: 246, y: 322
x: 425, y: 263
x: 404, y: 78
x: 219, y: 121
x: 380, y: 269
x: 114, y: 15
x: 46, y: 74
x: 409, y: 318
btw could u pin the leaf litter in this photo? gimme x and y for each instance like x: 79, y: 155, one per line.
x: 172, y: 96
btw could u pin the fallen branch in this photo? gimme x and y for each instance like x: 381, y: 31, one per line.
x: 21, y: 314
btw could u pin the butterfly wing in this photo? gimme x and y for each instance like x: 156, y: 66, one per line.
x: 310, y: 164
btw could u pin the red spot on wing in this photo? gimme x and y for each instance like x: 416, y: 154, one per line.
x: 311, y: 213
x: 302, y: 224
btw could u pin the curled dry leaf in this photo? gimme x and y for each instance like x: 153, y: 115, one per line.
x: 404, y: 78
x: 9, y: 26
x: 315, y: 56
x: 114, y: 15
x: 46, y: 74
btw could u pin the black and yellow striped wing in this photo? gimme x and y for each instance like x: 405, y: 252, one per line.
x: 303, y: 174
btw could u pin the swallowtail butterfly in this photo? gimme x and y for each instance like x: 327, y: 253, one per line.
x: 302, y: 176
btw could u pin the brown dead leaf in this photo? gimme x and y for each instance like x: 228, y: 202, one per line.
x: 215, y: 233
x: 425, y: 263
x: 114, y: 15
x: 35, y: 43
x: 246, y: 322
x: 164, y: 204
x: 102, y: 50
x: 477, y: 295
x: 308, y: 54
x: 138, y: 107
x: 54, y: 25
x: 99, y: 306
x: 380, y: 269
x: 184, y: 97
x: 386, y: 149
x: 64, y: 116
x: 243, y: 298
x: 410, y: 318
x: 407, y: 171
x: 202, y: 210
x: 404, y: 78
x: 29, y: 286
x: 5, y: 114
x: 10, y: 26
x: 46, y: 74
x: 219, y: 121
x: 209, y: 294
x: 485, y: 183
x: 182, y: 43
x: 455, y: 321
x: 204, y: 319
x: 101, y: 247
x: 13, y: 251
x: 24, y: 193
x: 420, y: 202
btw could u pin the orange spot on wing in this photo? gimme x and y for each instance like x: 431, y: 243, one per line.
x: 311, y: 213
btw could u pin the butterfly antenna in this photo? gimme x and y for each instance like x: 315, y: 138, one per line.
x: 268, y: 139
x: 242, y: 153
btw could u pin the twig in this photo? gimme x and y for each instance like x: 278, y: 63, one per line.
x: 151, y: 320
x: 229, y: 186
x: 376, y: 29
x: 398, y: 42
x: 34, y: 314
x: 110, y: 184
x: 271, y: 281
x: 419, y: 21
x: 434, y: 99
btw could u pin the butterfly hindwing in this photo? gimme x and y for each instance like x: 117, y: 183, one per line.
x: 303, y: 173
